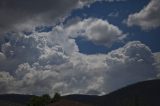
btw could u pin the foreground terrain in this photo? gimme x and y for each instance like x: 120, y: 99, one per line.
x: 145, y: 93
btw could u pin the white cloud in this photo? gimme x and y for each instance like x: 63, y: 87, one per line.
x: 148, y: 17
x: 6, y: 81
x: 96, y: 30
x: 157, y: 59
x: 132, y: 63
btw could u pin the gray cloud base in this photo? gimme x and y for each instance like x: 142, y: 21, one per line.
x: 26, y: 14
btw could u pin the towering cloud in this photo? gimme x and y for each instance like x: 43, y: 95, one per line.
x: 131, y: 63
x: 50, y: 62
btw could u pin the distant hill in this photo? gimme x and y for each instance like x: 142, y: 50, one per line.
x: 14, y: 99
x: 145, y: 93
x: 8, y: 103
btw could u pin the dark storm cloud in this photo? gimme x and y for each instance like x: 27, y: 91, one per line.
x: 15, y: 12
x: 26, y: 14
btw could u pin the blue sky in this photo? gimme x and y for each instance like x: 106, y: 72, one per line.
x: 102, y: 10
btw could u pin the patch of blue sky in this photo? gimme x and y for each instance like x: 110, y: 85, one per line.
x: 43, y: 29
x: 102, y: 10
x: 88, y: 47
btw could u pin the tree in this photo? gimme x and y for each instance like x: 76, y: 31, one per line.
x: 56, y: 97
x: 40, y: 100
x: 46, y: 99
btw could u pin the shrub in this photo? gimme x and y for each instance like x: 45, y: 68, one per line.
x: 40, y: 100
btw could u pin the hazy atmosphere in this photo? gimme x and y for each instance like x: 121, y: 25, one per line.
x: 77, y: 46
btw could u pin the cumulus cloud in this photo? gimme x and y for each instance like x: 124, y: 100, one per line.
x: 47, y: 48
x: 96, y: 30
x: 57, y: 66
x: 148, y: 17
x: 132, y: 63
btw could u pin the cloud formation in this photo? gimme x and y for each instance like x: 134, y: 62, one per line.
x: 50, y: 62
x: 132, y: 63
x: 148, y: 17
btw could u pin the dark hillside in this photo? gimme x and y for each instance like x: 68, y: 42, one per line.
x: 15, y: 98
x: 8, y: 103
x: 145, y: 93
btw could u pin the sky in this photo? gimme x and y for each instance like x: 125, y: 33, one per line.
x: 77, y: 46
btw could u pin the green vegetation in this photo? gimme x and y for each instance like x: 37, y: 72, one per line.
x: 43, y: 100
